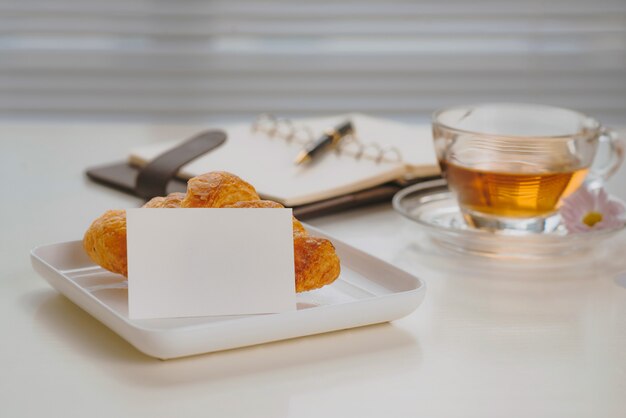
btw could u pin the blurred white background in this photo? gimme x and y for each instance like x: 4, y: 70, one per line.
x: 188, y: 60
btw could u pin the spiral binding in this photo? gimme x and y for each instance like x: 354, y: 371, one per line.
x: 285, y: 129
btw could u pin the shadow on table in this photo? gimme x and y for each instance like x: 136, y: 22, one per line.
x: 316, y: 361
x: 604, y: 261
x: 548, y: 308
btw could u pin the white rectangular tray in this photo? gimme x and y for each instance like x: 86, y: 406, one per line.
x: 368, y: 291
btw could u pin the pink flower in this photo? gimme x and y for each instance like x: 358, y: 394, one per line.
x: 587, y: 210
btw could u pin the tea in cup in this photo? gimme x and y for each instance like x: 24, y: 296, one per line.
x: 511, y: 165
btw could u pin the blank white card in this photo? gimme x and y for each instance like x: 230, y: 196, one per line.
x: 199, y: 262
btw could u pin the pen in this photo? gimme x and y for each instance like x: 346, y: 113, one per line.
x: 330, y: 139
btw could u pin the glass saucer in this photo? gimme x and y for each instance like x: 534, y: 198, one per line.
x: 433, y: 207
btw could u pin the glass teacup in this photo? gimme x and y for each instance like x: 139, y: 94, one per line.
x: 511, y: 165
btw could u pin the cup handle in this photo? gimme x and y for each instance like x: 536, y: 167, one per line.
x: 600, y: 175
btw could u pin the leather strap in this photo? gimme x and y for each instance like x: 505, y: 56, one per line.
x: 153, y: 178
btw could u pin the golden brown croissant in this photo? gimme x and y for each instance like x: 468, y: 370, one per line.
x: 316, y: 263
x: 217, y: 189
x: 172, y: 200
x: 105, y: 241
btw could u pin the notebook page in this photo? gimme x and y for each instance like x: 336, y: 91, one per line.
x: 267, y: 163
x: 414, y: 142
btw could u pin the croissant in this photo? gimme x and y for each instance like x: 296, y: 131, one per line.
x: 105, y: 241
x: 217, y: 189
x: 316, y: 263
x: 172, y: 200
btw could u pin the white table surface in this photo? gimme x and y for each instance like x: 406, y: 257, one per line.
x: 539, y: 339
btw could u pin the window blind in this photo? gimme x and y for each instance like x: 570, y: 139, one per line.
x: 151, y: 59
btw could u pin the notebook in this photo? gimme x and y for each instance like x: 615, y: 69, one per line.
x: 263, y: 154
